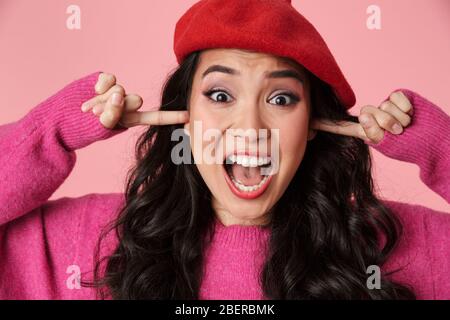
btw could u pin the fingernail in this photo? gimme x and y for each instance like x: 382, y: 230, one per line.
x: 117, y: 99
x: 397, y: 128
x: 83, y: 107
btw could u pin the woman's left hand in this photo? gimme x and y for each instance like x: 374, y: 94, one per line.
x: 393, y: 115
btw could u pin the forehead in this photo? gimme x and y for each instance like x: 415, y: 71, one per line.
x: 241, y: 59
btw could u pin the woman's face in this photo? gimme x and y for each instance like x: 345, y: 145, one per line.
x: 233, y: 91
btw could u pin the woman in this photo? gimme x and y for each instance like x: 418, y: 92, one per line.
x: 195, y: 230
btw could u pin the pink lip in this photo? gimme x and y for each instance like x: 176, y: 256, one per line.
x: 242, y: 194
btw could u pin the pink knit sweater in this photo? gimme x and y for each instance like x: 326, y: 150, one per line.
x: 45, y: 244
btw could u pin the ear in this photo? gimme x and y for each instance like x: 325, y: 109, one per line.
x: 311, y: 134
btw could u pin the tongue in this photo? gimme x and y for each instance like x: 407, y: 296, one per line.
x: 247, y: 176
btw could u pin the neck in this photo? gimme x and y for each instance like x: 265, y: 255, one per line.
x: 229, y: 219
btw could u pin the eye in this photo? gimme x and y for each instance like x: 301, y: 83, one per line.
x: 217, y: 96
x: 285, y: 99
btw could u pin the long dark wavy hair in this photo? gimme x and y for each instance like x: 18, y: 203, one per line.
x: 326, y: 229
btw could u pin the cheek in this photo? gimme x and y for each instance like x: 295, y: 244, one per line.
x: 209, y: 117
x: 293, y: 140
x: 293, y: 137
x: 204, y: 126
x: 292, y: 151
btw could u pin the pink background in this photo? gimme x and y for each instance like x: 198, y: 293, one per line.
x: 133, y: 40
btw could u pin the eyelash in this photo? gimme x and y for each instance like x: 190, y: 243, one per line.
x: 291, y: 95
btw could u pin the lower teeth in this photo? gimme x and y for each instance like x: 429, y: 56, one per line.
x: 242, y: 187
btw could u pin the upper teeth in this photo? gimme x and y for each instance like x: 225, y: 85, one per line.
x: 247, y: 161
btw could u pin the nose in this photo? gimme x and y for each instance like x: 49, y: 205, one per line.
x: 249, y: 124
x: 249, y: 117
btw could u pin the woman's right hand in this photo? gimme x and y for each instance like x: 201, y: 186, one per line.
x: 116, y: 108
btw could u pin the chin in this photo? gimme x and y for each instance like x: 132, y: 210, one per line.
x: 244, y: 211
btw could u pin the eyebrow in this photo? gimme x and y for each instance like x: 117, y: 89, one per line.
x: 271, y: 75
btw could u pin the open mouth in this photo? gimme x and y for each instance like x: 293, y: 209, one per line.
x: 247, y: 175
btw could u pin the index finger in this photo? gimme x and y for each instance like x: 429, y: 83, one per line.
x: 346, y: 128
x: 131, y: 119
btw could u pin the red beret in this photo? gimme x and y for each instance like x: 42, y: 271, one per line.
x: 269, y: 26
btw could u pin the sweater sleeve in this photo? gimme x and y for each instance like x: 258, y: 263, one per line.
x: 38, y: 151
x: 425, y: 142
x: 44, y: 242
x: 423, y: 251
